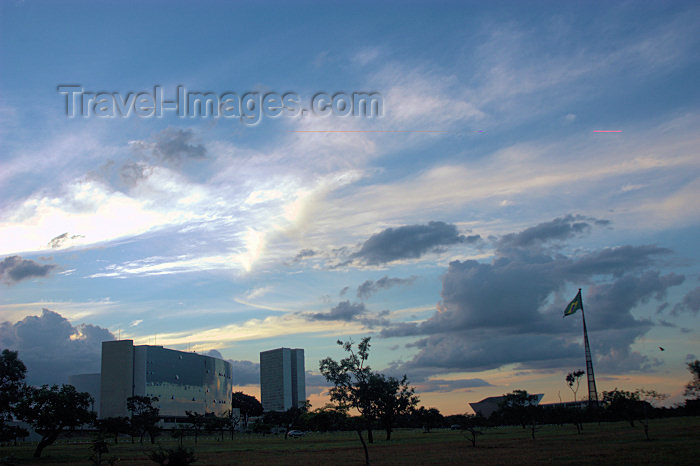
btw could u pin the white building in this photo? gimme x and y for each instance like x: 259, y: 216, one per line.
x: 282, y: 379
x: 182, y: 381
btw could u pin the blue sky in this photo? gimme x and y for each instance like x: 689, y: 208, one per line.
x: 456, y: 249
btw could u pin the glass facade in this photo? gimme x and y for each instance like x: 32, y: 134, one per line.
x: 181, y: 381
x: 185, y: 381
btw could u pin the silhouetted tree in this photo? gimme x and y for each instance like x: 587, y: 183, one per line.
x: 179, y: 433
x: 196, y: 422
x: 350, y: 378
x: 574, y: 415
x: 99, y: 447
x: 217, y: 424
x: 574, y: 378
x: 390, y: 398
x: 248, y: 405
x: 428, y: 418
x: 646, y: 398
x: 113, y: 426
x: 231, y: 421
x: 12, y: 388
x: 474, y: 425
x: 292, y: 416
x: 621, y: 404
x: 144, y: 416
x: 692, y: 389
x: 180, y: 456
x: 326, y: 418
x: 51, y: 410
x: 523, y: 408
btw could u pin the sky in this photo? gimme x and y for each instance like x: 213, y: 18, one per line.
x: 519, y: 151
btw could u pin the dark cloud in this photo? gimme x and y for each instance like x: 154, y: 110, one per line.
x: 661, y: 308
x: 52, y: 348
x: 176, y: 144
x: 369, y: 287
x: 409, y: 242
x: 245, y: 372
x: 304, y: 253
x: 60, y: 240
x: 665, y: 323
x: 14, y: 269
x: 509, y: 311
x: 132, y: 173
x: 345, y: 311
x: 344, y: 290
x: 316, y: 384
x: 248, y: 373
x: 446, y: 386
x: 557, y: 229
x: 476, y: 351
x: 171, y: 146
x: 611, y: 300
x: 690, y: 303
x: 619, y: 260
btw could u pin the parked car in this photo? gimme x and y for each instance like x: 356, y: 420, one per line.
x: 296, y: 433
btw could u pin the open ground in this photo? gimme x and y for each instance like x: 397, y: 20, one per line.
x: 674, y: 441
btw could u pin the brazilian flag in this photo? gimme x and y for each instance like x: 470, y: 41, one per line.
x: 574, y: 305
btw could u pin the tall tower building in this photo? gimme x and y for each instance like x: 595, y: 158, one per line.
x: 282, y: 381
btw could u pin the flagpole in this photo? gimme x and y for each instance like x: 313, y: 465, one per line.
x: 592, y: 392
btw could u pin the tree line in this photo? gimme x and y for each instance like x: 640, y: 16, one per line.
x: 53, y: 410
x: 362, y: 400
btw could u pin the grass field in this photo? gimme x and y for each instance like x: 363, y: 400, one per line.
x: 674, y: 441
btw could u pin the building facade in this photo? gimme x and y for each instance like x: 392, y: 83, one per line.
x: 182, y: 381
x: 282, y: 379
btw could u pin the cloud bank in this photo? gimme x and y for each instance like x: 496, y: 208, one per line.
x: 52, y: 348
x: 509, y: 310
x: 409, y: 242
x: 14, y: 269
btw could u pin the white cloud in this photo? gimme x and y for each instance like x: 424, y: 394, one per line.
x: 366, y: 56
x: 88, y: 208
x: 258, y: 292
x: 529, y: 173
x: 72, y: 310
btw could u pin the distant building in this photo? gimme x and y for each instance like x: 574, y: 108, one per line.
x: 282, y: 379
x: 581, y: 404
x: 488, y: 406
x: 182, y: 381
x: 89, y: 383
